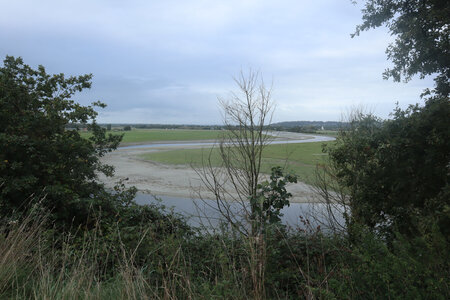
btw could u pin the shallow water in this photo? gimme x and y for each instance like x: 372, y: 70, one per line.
x: 311, y: 139
x: 204, y: 212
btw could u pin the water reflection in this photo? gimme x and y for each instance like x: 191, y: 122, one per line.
x: 203, y: 212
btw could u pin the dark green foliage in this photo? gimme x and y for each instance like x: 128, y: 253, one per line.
x: 410, y: 268
x: 41, y: 160
x: 127, y: 128
x: 272, y: 196
x: 158, y: 251
x: 397, y: 172
x: 138, y: 232
x: 422, y: 31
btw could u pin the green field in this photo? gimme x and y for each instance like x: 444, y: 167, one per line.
x: 300, y: 159
x: 152, y: 135
x: 328, y: 132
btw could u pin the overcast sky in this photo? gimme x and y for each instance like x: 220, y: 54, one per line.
x: 168, y: 61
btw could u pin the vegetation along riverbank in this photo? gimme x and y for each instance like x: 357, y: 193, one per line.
x: 69, y: 224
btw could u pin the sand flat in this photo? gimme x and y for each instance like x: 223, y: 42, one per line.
x: 176, y: 180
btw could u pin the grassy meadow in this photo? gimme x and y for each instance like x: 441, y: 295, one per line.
x: 300, y: 158
x: 153, y: 135
x: 333, y: 133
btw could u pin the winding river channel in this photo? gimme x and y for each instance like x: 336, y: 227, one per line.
x: 279, y: 140
x: 172, y: 185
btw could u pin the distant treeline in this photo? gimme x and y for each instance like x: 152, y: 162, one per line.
x: 294, y: 126
x: 308, y: 126
x: 327, y: 125
x: 121, y: 126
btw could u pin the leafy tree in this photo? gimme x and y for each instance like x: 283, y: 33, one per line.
x: 39, y: 158
x: 397, y: 171
x: 422, y: 32
x: 271, y: 197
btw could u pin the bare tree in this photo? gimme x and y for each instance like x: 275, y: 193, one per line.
x: 332, y: 210
x: 336, y: 197
x: 234, y: 184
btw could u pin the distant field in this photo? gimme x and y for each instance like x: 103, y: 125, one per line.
x: 328, y: 132
x: 151, y: 135
x: 300, y: 159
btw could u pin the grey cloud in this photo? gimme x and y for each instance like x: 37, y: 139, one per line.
x: 167, y: 61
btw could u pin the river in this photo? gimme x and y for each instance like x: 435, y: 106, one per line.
x: 204, y: 213
x: 167, y: 180
x: 309, y: 139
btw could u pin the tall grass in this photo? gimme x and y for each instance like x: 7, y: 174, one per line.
x: 18, y: 242
x: 41, y: 263
x: 36, y: 265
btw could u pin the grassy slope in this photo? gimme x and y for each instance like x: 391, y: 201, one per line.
x: 151, y: 135
x: 300, y: 159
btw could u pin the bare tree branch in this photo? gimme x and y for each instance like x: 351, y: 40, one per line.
x: 245, y: 114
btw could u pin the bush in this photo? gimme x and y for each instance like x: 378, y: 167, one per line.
x: 42, y: 161
x: 396, y: 171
